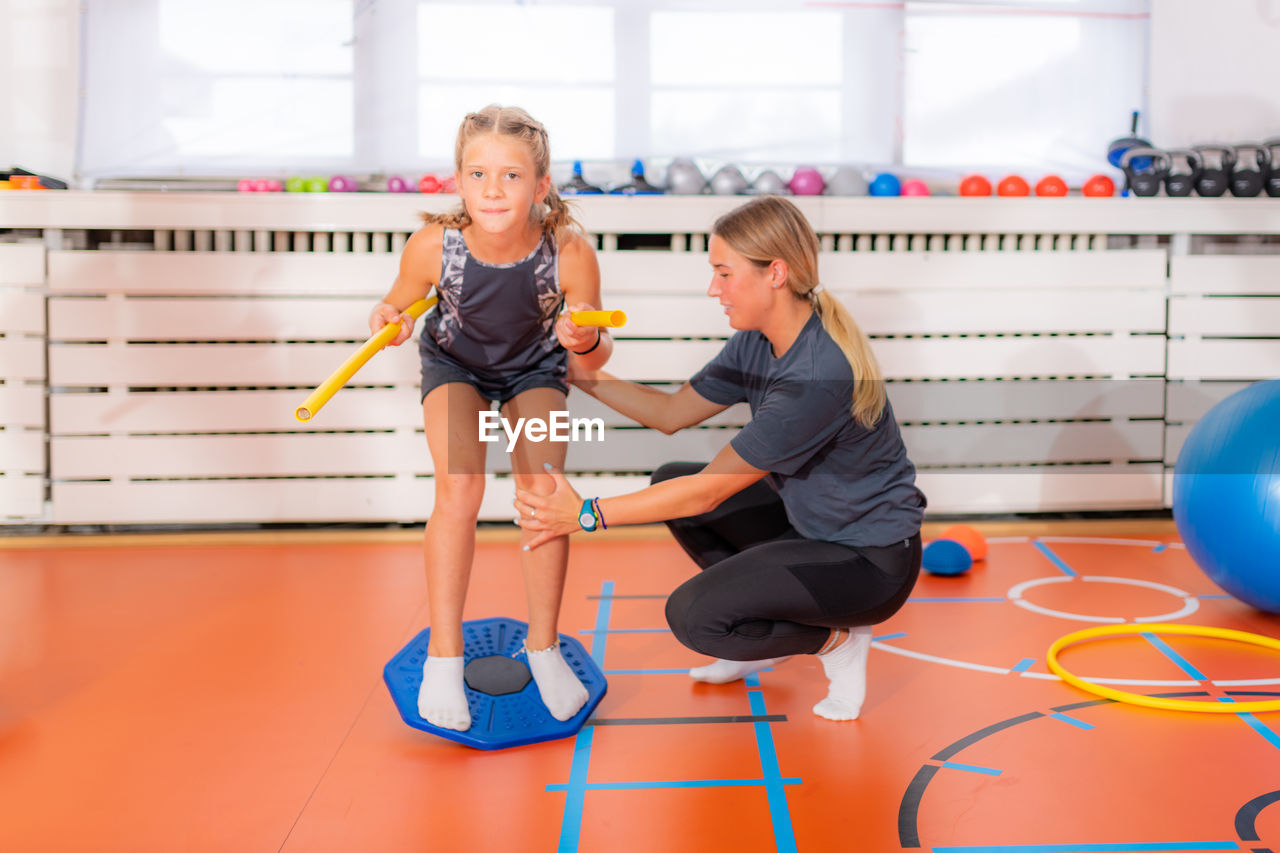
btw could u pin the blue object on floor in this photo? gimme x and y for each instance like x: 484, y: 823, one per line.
x: 506, y: 709
x: 946, y: 557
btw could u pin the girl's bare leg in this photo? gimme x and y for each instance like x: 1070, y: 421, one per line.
x: 544, y: 568
x: 451, y: 416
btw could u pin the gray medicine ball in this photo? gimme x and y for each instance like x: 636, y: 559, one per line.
x: 684, y: 178
x: 770, y: 182
x: 729, y: 181
x: 847, y: 181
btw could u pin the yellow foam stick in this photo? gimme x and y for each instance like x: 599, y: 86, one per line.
x: 326, y: 389
x: 612, y: 319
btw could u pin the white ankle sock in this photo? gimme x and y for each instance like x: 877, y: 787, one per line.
x: 561, y: 691
x: 723, y: 671
x: 846, y: 667
x: 442, y: 701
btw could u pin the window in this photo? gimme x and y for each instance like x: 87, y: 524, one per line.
x: 557, y: 62
x: 753, y: 86
x: 185, y: 87
x: 1021, y: 85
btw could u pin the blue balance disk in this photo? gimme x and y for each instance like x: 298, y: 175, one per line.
x: 506, y: 709
x: 946, y: 557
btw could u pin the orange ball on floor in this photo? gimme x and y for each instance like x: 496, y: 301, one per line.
x: 973, y: 541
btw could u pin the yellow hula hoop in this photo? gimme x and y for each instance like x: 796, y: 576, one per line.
x: 326, y: 389
x: 1155, y: 701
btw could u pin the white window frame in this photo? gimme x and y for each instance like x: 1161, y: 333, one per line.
x: 385, y: 77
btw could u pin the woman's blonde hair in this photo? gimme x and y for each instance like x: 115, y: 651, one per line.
x: 514, y: 122
x: 770, y: 228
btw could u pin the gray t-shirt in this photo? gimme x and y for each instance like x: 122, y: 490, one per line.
x: 839, y: 481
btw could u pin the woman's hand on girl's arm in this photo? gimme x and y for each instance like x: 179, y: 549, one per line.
x: 652, y: 407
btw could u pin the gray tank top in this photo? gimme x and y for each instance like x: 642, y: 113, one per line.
x: 496, y: 319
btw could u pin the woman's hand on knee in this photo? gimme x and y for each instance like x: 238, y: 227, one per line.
x: 552, y: 515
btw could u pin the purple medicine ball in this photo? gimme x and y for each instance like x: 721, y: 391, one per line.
x: 807, y: 181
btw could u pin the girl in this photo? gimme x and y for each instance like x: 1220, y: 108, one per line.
x: 829, y: 543
x: 503, y: 265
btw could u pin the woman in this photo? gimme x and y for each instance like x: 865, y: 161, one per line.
x: 807, y: 525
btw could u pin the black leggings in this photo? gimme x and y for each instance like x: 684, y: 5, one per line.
x: 765, y: 591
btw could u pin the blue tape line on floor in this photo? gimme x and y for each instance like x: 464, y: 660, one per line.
x: 1055, y: 559
x: 575, y: 798
x: 783, y: 834
x: 1167, y: 650
x: 675, y: 783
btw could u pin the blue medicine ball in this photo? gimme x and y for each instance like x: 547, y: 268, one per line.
x: 885, y: 184
x: 1226, y: 494
x: 946, y: 557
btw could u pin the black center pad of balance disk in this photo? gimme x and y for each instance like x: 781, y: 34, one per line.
x: 496, y: 675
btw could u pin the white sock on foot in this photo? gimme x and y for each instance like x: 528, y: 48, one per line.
x: 561, y: 691
x: 442, y: 700
x: 846, y: 667
x: 724, y: 671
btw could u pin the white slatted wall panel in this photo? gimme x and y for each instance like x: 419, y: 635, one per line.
x: 1224, y: 333
x: 1024, y: 380
x: 175, y: 374
x: 1019, y: 377
x: 1019, y: 368
x: 22, y: 372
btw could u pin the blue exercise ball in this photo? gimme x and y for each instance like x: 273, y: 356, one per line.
x: 1226, y: 494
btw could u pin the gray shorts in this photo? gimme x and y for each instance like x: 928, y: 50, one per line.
x: 439, y: 370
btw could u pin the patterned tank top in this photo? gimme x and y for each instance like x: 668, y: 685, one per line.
x: 496, y: 319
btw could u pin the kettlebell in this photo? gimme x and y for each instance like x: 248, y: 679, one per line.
x: 1273, y: 178
x: 1145, y: 181
x: 1214, y: 180
x: 1247, y: 183
x: 1182, y: 183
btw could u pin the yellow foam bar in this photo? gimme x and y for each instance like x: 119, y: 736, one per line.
x: 326, y: 389
x: 612, y: 319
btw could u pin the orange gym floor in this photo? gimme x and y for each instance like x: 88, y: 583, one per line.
x: 224, y: 693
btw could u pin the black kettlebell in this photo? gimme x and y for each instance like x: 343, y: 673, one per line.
x: 1145, y: 180
x: 1273, y: 178
x: 1214, y: 180
x: 1247, y: 183
x: 1182, y: 183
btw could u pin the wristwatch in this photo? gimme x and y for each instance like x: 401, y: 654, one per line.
x: 587, y: 516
